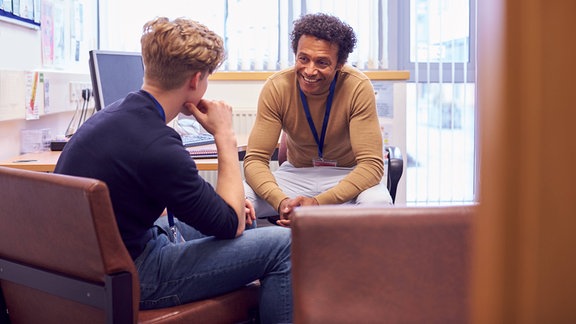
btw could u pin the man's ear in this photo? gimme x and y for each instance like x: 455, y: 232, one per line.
x: 195, y: 79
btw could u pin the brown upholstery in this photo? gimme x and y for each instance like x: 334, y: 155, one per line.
x: 355, y: 264
x: 61, y: 228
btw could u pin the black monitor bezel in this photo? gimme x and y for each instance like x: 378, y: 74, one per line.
x: 95, y: 76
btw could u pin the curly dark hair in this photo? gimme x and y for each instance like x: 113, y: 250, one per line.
x: 328, y: 28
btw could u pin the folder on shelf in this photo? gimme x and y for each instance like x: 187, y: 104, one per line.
x: 203, y: 152
x: 210, y: 152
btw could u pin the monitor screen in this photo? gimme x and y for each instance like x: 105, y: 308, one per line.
x: 114, y: 75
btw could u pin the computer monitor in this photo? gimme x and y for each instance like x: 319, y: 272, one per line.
x: 114, y: 75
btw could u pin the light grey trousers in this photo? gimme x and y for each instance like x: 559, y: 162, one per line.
x: 310, y: 182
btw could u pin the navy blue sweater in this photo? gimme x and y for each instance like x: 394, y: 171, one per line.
x: 146, y: 168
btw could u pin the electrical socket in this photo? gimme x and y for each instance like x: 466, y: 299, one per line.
x: 76, y: 90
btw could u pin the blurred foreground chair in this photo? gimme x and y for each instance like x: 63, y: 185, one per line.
x: 62, y: 259
x: 354, y: 264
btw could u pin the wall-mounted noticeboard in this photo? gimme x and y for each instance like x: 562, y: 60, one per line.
x: 21, y: 12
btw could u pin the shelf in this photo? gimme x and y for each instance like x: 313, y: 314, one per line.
x: 263, y: 75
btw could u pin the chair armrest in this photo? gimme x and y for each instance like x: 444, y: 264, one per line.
x: 395, y: 169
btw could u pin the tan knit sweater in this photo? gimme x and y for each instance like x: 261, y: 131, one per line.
x: 353, y: 137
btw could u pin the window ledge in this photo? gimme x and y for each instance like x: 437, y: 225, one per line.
x: 263, y: 75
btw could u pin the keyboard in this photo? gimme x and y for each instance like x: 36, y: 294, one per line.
x: 197, y: 139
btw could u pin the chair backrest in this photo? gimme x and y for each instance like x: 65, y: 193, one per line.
x: 381, y: 265
x: 54, y: 228
x: 395, y: 169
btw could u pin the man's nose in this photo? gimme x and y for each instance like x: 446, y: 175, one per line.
x: 310, y: 69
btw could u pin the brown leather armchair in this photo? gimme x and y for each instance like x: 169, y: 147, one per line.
x: 354, y: 264
x: 62, y: 259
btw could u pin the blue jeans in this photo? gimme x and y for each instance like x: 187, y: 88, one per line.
x: 201, y: 267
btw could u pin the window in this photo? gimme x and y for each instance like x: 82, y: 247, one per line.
x: 437, y: 45
x: 252, y: 44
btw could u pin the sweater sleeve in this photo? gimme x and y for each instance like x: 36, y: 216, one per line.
x: 261, y: 145
x: 366, y: 143
x: 171, y: 176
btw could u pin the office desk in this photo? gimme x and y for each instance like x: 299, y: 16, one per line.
x: 46, y: 161
x: 42, y: 161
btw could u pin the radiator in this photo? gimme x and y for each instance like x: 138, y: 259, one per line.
x: 242, y: 119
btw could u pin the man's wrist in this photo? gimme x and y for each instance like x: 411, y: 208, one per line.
x: 280, y: 205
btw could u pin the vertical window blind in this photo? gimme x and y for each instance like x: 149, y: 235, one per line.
x: 261, y: 44
x: 439, y: 51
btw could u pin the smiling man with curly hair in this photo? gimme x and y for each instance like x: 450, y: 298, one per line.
x: 327, y: 109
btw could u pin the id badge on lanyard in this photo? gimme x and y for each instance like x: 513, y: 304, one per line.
x: 320, y: 161
x: 175, y: 235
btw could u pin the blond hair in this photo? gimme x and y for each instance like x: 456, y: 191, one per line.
x: 172, y: 51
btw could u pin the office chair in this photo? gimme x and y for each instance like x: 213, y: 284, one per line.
x: 63, y: 259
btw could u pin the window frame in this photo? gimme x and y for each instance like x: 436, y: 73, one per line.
x: 431, y: 71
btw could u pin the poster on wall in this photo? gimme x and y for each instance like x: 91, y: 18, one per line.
x: 59, y: 33
x: 68, y: 32
x: 47, y: 33
x: 384, y: 91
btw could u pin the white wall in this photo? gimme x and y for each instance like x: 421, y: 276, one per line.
x: 241, y: 95
x: 20, y: 47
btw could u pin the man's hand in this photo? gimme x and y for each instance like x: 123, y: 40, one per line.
x: 250, y: 213
x: 288, y: 205
x: 215, y: 116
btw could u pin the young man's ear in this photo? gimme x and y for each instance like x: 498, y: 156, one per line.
x: 195, y: 80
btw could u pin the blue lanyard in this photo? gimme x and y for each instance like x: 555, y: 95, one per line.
x: 319, y: 141
x: 158, y: 107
